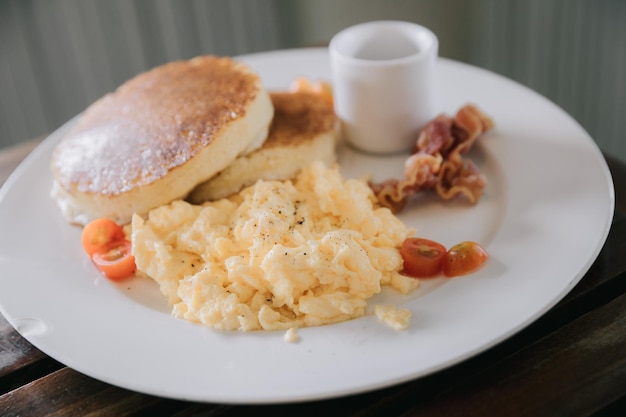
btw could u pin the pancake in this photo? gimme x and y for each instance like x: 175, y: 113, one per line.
x: 304, y: 129
x: 158, y: 136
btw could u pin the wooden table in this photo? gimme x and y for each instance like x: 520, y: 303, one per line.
x: 570, y: 362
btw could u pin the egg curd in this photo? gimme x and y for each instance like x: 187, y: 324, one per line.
x: 278, y: 255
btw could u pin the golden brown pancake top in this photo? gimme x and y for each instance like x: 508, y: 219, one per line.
x: 153, y: 123
x: 298, y: 117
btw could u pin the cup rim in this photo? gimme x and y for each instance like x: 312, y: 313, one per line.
x: 335, y: 47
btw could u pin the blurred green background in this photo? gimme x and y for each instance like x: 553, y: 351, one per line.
x: 56, y: 57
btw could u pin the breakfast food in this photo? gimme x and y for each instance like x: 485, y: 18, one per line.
x: 438, y: 163
x: 225, y: 219
x: 158, y: 136
x: 394, y: 317
x: 105, y: 242
x: 303, y: 130
x: 424, y: 258
x: 276, y: 256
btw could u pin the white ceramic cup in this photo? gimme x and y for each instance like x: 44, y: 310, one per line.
x: 384, y: 83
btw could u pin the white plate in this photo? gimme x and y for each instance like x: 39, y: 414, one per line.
x: 544, y: 218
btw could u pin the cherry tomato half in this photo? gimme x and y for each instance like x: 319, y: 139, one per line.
x: 115, y: 260
x: 464, y: 258
x: 423, y: 258
x: 100, y: 233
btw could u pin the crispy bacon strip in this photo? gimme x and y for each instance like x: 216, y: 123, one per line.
x: 437, y: 162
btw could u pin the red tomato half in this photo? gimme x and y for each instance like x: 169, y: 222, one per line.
x: 100, y: 233
x: 464, y: 258
x: 423, y: 258
x: 115, y: 260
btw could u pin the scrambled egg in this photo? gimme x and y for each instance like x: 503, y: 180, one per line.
x: 278, y: 255
x: 397, y: 318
